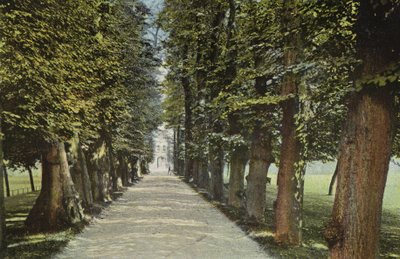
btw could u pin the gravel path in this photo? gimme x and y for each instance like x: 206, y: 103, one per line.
x: 162, y: 217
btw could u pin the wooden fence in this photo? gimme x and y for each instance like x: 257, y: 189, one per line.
x: 21, y: 191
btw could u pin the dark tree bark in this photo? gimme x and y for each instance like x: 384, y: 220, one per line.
x: 99, y: 169
x: 113, y: 171
x: 216, y: 152
x: 200, y: 127
x: 189, y: 99
x: 2, y: 208
x: 7, y: 182
x: 180, y: 162
x: 94, y: 179
x: 176, y: 152
x: 133, y: 174
x: 260, y: 151
x: 80, y: 174
x: 204, y: 178
x: 216, y: 159
x: 196, y: 171
x: 31, y: 179
x: 289, y: 203
x: 239, y: 156
x: 239, y: 160
x: 123, y: 170
x: 58, y: 205
x: 87, y: 187
x: 144, y: 168
x: 362, y: 170
x: 126, y: 172
x: 201, y: 177
x: 367, y: 137
x: 333, y: 180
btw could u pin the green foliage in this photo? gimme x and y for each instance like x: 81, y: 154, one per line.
x: 223, y: 73
x: 76, y: 67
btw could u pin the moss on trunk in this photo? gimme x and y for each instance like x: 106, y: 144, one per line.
x: 260, y: 161
x: 58, y: 205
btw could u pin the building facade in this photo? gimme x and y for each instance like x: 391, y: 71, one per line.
x: 163, y: 148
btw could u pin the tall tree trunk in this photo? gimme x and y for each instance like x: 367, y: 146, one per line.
x: 113, y: 170
x: 133, y: 172
x: 180, y: 162
x: 260, y: 149
x: 80, y: 174
x: 200, y: 127
x: 260, y: 161
x: 99, y: 168
x: 189, y: 99
x: 127, y: 172
x: 8, y: 192
x: 196, y: 163
x: 239, y: 156
x: 2, y: 208
x: 87, y: 187
x: 333, y: 180
x: 31, y: 178
x: 216, y: 152
x: 94, y: 178
x: 362, y: 171
x: 204, y: 178
x: 239, y: 160
x: 58, y: 205
x: 290, y: 176
x: 176, y: 151
x: 367, y: 137
x: 216, y: 158
x: 123, y: 170
x: 143, y: 166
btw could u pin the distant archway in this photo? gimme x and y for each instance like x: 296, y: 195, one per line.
x: 161, y: 162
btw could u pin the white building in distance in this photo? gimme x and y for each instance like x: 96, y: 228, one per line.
x: 163, y: 148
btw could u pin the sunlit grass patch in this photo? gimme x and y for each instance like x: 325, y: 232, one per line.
x: 261, y: 234
x: 23, y: 245
x: 20, y: 180
x: 317, y: 212
x: 39, y: 246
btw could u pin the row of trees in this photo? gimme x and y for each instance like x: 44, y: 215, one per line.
x: 78, y: 93
x: 271, y: 82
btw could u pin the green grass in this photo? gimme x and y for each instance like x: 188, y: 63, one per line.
x: 20, y: 243
x: 20, y: 180
x: 317, y: 211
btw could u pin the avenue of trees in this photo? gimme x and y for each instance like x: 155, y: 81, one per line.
x: 78, y: 94
x: 287, y: 82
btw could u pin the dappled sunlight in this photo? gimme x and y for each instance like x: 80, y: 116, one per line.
x: 32, y: 240
x: 162, y: 218
x: 14, y: 219
x: 261, y: 234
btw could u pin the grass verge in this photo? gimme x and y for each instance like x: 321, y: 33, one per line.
x: 317, y: 211
x: 22, y: 245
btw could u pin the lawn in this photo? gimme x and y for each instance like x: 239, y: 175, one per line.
x: 20, y: 179
x: 22, y: 245
x: 317, y: 210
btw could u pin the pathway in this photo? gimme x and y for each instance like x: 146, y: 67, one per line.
x: 162, y: 217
